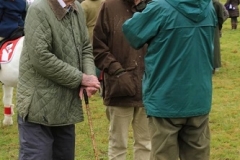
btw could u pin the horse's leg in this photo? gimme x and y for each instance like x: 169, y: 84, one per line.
x: 8, y: 106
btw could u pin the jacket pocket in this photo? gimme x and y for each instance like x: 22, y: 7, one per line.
x: 121, y: 85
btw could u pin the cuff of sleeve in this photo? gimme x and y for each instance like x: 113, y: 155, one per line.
x: 114, y: 67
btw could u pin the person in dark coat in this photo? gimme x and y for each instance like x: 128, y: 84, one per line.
x: 220, y: 16
x: 12, y: 15
x: 232, y: 6
x: 123, y: 69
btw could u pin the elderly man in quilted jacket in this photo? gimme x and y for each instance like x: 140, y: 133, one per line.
x: 55, y: 66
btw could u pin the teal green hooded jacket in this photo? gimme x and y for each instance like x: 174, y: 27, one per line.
x: 178, y: 65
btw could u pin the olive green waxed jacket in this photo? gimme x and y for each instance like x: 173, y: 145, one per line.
x: 56, y: 51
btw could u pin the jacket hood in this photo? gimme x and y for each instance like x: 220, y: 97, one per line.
x: 192, y: 9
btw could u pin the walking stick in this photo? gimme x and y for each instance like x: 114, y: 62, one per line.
x: 90, y: 123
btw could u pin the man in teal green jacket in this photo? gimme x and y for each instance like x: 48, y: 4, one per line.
x: 177, y: 84
x: 55, y: 66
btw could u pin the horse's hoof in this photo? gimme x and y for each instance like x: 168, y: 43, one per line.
x: 7, y: 121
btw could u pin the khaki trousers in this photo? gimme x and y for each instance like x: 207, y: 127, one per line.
x: 120, y: 119
x: 184, y: 138
x: 1, y: 38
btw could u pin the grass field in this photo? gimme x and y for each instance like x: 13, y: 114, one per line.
x: 224, y: 117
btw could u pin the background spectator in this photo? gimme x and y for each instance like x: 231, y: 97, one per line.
x: 233, y: 10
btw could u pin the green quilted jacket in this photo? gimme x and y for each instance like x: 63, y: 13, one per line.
x: 56, y: 51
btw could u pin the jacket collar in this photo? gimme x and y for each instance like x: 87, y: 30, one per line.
x: 59, y: 10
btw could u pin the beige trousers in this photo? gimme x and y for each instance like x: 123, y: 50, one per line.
x: 1, y: 38
x: 184, y: 138
x: 120, y: 119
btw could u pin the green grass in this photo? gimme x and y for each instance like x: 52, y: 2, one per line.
x: 224, y: 117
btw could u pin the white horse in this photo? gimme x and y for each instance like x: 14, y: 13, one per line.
x: 9, y: 77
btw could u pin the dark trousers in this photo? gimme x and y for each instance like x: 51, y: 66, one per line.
x: 234, y: 22
x: 39, y: 142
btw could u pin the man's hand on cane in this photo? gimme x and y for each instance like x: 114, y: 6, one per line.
x: 90, y: 83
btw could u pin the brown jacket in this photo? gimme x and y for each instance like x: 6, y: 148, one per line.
x: 220, y: 16
x: 113, y: 53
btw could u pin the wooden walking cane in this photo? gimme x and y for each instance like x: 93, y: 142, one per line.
x: 90, y: 123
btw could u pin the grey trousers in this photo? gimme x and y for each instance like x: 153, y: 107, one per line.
x: 184, y: 138
x: 39, y: 142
